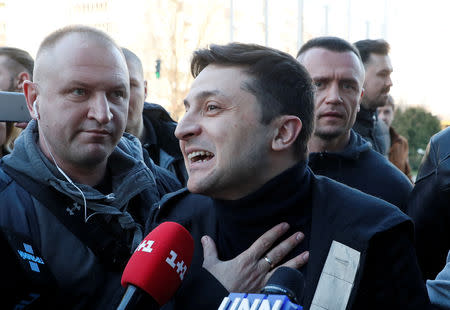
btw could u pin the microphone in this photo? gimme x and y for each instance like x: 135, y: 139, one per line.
x: 157, y: 267
x: 283, y: 291
x: 286, y: 281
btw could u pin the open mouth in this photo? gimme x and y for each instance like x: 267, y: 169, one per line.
x: 200, y: 156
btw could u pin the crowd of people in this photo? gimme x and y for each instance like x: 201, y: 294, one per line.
x: 277, y: 161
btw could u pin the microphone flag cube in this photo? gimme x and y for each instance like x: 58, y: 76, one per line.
x: 160, y: 262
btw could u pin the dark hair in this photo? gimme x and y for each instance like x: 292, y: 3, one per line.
x: 334, y: 44
x: 281, y: 84
x: 18, y: 60
x: 367, y: 47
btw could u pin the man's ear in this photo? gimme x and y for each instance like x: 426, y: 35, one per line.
x: 287, y: 131
x: 359, y: 101
x: 30, y: 92
x: 22, y: 77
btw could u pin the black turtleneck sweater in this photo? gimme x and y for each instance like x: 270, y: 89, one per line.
x: 235, y: 224
x: 240, y: 222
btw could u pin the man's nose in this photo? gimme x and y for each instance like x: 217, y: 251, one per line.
x: 389, y: 81
x: 99, y: 109
x: 188, y: 127
x: 334, y: 95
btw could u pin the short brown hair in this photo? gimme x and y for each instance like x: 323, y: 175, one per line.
x: 368, y: 47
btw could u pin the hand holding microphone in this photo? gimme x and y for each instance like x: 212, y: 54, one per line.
x: 157, y: 267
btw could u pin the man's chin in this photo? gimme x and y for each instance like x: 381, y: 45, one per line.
x: 94, y: 156
x: 328, y: 135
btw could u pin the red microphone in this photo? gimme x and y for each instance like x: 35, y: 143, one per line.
x: 157, y: 266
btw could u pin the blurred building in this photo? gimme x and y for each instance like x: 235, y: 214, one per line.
x: 2, y: 23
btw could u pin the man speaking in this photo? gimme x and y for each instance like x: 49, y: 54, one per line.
x: 249, y: 116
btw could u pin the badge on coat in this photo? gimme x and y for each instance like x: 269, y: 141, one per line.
x: 337, y: 278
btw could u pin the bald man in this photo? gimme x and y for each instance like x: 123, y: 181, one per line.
x: 151, y: 123
x: 74, y: 194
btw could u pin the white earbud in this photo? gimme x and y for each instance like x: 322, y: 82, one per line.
x: 36, y: 114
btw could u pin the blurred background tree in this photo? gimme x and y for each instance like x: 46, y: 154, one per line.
x: 417, y: 125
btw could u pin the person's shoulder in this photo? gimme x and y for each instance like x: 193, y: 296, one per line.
x: 347, y: 202
x: 345, y: 192
x: 183, y: 204
x: 5, y: 179
x: 440, y: 144
x: 437, y: 157
x: 8, y: 187
x: 16, y: 207
x: 381, y: 167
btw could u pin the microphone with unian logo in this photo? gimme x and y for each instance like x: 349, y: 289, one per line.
x: 283, y: 291
x: 157, y: 267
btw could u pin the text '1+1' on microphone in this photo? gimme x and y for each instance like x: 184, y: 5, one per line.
x: 157, y: 267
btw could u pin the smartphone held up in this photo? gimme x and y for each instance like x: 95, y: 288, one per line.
x: 13, y: 107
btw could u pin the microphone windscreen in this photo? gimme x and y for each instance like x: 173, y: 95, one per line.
x: 287, y: 281
x: 160, y: 261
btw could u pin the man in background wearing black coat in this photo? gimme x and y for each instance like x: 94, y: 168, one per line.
x: 337, y: 151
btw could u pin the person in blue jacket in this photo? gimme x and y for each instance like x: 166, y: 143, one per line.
x: 336, y: 150
x: 74, y: 193
x: 439, y: 288
x: 249, y: 116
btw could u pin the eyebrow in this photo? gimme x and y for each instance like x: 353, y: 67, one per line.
x: 89, y: 85
x: 327, y: 79
x: 205, y: 94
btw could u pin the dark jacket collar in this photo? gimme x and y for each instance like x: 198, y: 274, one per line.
x: 366, y: 116
x: 352, y: 151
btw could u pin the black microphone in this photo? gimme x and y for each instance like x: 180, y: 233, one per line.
x: 286, y: 281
